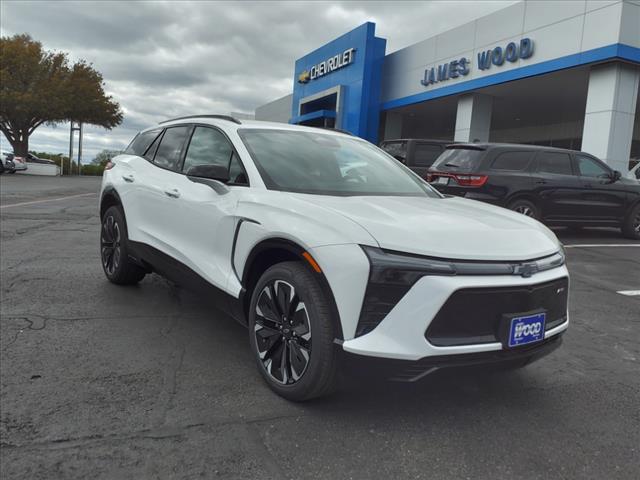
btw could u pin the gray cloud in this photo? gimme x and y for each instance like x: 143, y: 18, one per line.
x: 164, y: 59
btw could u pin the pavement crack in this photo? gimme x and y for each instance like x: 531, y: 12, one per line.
x: 170, y: 377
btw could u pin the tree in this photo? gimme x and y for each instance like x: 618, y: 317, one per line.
x: 105, y: 157
x: 39, y: 86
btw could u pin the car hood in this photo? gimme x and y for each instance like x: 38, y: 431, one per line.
x: 448, y: 227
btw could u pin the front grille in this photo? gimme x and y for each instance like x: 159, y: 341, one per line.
x: 473, y: 315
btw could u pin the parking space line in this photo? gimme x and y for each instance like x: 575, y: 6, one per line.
x: 629, y: 293
x: 45, y: 201
x: 595, y: 245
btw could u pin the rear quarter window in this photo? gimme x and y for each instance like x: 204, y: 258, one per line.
x: 511, y: 161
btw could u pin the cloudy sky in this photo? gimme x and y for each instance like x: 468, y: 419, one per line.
x: 166, y: 59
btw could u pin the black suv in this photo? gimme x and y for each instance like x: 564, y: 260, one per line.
x: 417, y: 154
x: 556, y: 186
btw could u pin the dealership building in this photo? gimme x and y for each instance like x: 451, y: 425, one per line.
x: 562, y: 73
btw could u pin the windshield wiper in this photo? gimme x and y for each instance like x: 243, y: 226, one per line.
x: 451, y: 165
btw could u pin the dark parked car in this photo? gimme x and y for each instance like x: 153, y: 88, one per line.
x: 416, y: 154
x: 556, y: 186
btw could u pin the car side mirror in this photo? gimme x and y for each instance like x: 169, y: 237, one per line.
x: 638, y: 173
x: 616, y: 176
x: 213, y: 172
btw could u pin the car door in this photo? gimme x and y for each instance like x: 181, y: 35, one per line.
x: 134, y: 168
x: 602, y: 199
x: 423, y: 156
x: 557, y: 186
x: 202, y: 210
x: 153, y: 179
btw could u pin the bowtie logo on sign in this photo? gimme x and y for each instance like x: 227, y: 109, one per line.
x: 330, y: 65
x: 496, y: 56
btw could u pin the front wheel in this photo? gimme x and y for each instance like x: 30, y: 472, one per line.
x: 291, y: 333
x: 631, y: 227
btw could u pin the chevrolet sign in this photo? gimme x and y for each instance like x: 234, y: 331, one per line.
x: 323, y: 68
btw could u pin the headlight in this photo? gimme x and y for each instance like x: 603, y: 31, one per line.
x: 391, y: 275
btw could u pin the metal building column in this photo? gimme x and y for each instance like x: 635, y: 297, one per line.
x: 610, y: 113
x: 473, y: 118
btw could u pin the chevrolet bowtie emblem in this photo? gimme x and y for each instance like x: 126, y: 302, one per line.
x: 304, y: 77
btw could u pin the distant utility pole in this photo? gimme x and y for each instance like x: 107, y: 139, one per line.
x: 72, y: 129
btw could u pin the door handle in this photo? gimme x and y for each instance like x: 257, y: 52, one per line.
x: 172, y: 193
x: 128, y: 178
x: 541, y: 182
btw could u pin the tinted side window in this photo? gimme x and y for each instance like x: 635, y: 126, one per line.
x: 397, y: 150
x: 588, y: 167
x: 208, y: 146
x: 424, y: 154
x: 171, y: 146
x: 513, y: 161
x: 141, y: 142
x: 554, y: 162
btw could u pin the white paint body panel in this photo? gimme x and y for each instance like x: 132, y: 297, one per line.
x: 198, y: 227
x: 401, y: 334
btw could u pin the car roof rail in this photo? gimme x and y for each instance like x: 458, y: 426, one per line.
x: 221, y: 117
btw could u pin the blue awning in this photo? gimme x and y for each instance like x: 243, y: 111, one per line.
x: 313, y: 115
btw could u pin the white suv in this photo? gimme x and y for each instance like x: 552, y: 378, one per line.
x: 330, y: 250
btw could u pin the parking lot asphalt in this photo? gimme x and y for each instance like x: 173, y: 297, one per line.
x: 100, y: 381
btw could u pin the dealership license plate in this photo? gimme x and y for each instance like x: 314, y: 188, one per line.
x: 442, y: 181
x: 526, y: 329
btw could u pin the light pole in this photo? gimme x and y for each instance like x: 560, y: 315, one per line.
x: 71, y: 130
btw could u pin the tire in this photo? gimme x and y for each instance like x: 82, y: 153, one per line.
x: 310, y: 356
x: 631, y: 226
x: 525, y: 207
x: 114, y: 255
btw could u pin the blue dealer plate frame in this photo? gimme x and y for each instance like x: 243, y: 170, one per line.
x: 526, y: 329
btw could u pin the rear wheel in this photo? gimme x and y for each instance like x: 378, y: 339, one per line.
x: 631, y: 227
x: 117, y: 265
x: 291, y: 333
x: 525, y: 207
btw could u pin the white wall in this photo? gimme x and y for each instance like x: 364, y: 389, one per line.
x: 277, y: 111
x: 558, y: 29
x: 40, y: 169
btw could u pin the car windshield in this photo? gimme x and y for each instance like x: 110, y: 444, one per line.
x: 319, y: 163
x: 458, y: 159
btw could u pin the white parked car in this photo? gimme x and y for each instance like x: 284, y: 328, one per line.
x: 7, y: 165
x: 330, y: 250
x: 20, y: 164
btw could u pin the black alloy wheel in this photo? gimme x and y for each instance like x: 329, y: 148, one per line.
x: 282, y: 332
x: 292, y: 332
x: 114, y: 253
x: 631, y: 226
x: 110, y: 245
x: 524, y: 207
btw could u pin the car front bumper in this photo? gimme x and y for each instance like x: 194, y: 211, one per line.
x: 401, y: 334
